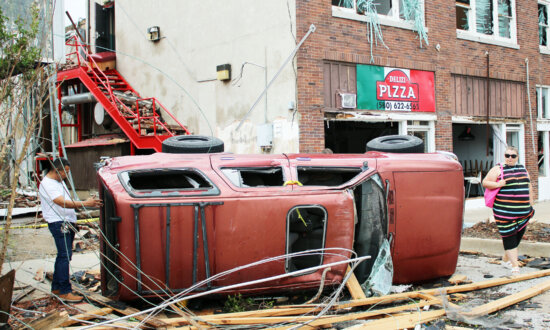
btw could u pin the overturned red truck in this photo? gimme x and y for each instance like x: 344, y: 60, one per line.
x: 171, y: 220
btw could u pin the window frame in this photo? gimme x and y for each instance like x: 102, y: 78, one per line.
x: 395, y: 20
x: 545, y: 49
x: 494, y: 39
x: 124, y: 179
x: 543, y: 126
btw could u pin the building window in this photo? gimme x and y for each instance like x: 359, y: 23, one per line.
x: 487, y: 21
x: 390, y: 12
x: 543, y: 103
x: 544, y: 8
x: 543, y: 127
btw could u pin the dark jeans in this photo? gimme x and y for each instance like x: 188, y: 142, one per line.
x: 64, y: 244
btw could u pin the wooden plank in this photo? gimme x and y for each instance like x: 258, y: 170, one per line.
x: 354, y: 287
x: 512, y: 299
x: 6, y: 292
x: 50, y: 321
x: 406, y: 321
x: 489, y: 283
x: 315, y: 321
x: 155, y: 322
x: 87, y: 316
x: 368, y: 314
x: 326, y: 85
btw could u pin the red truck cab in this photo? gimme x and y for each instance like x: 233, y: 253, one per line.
x: 173, y: 220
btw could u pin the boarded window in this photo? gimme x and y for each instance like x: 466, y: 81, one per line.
x: 507, y: 98
x: 326, y: 176
x: 338, y: 78
x: 254, y: 176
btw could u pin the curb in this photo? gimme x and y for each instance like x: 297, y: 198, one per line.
x: 494, y: 247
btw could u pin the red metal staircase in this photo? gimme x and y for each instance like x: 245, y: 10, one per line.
x: 141, y: 119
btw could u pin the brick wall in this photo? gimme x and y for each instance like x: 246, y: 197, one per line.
x: 345, y: 40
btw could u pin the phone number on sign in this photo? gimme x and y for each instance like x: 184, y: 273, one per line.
x: 396, y: 105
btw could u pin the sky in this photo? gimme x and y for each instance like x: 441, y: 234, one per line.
x: 77, y: 10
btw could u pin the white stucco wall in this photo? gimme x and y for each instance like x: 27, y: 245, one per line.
x: 196, y: 37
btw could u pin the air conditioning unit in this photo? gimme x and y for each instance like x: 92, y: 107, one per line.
x: 348, y: 100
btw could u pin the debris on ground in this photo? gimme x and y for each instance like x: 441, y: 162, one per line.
x: 536, y: 231
x: 22, y: 198
x: 427, y: 307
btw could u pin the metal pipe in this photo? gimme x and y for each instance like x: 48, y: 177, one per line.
x: 310, y: 31
x: 488, y: 104
x: 167, y: 265
x: 195, y: 242
x: 205, y: 245
x: 78, y: 98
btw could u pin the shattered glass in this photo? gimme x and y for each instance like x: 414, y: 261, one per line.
x: 504, y: 18
x: 543, y: 25
x: 380, y: 279
x: 484, y: 16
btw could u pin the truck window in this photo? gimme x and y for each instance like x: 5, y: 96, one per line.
x: 243, y: 177
x: 166, y: 182
x: 306, y: 227
x: 326, y: 176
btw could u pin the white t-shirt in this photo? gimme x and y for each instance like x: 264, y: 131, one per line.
x: 49, y: 190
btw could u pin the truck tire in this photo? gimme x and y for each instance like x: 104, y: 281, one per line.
x: 192, y: 144
x: 397, y: 144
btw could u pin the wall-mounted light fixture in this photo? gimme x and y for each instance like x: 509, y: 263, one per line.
x: 224, y: 72
x: 153, y: 33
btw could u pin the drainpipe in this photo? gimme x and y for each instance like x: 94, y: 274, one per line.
x: 488, y: 103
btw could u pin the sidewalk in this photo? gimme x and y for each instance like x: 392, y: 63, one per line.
x: 474, y: 215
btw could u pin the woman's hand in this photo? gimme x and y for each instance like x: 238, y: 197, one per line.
x: 501, y: 183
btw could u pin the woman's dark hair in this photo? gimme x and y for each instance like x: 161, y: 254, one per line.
x: 60, y: 163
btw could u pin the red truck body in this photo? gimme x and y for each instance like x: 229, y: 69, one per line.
x: 172, y: 220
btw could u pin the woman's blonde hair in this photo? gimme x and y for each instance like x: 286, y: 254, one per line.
x: 512, y: 148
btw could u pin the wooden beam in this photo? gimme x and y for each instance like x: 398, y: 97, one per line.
x: 87, y: 316
x: 354, y: 287
x: 50, y: 321
x: 127, y: 310
x: 512, y: 299
x: 6, y: 292
x: 409, y: 320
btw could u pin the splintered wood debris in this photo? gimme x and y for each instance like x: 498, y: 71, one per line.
x: 393, y: 311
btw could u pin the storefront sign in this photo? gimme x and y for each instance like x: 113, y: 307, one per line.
x: 392, y: 89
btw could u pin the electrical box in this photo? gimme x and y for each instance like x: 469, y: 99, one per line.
x: 348, y: 100
x: 265, y: 135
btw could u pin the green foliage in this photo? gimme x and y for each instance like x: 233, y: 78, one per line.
x: 18, y: 50
x: 237, y: 303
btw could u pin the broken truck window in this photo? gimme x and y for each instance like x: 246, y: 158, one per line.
x: 306, y: 227
x: 326, y: 176
x: 166, y: 181
x: 244, y: 177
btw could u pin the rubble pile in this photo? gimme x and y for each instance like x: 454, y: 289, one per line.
x: 536, y: 231
x: 21, y: 199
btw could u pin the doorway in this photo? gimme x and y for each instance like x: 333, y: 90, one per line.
x: 352, y: 136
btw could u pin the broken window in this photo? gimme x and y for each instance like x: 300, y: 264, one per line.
x: 389, y: 8
x: 165, y: 182
x: 306, y: 228
x: 543, y: 24
x: 495, y: 18
x: 462, y: 13
x: 326, y: 176
x: 244, y: 177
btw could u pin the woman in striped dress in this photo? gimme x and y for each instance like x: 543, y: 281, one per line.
x: 513, y: 205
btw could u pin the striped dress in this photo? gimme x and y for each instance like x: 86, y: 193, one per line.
x: 512, y: 209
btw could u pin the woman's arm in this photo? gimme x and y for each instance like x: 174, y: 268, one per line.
x: 491, y: 179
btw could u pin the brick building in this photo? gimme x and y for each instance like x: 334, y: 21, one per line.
x: 344, y: 88
x: 469, y: 42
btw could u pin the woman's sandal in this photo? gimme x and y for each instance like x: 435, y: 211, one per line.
x: 515, y: 270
